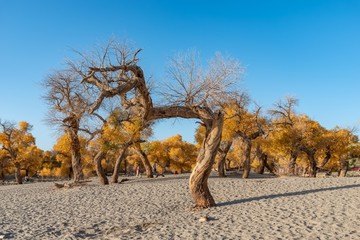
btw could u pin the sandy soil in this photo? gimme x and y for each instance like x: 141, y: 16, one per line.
x: 256, y: 208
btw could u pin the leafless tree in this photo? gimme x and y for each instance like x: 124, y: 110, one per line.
x: 192, y: 92
x: 68, y: 106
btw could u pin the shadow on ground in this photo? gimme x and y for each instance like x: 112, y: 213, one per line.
x: 290, y: 194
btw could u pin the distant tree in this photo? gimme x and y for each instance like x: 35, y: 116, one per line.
x: 16, y: 143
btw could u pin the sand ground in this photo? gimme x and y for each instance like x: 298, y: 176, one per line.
x: 161, y: 208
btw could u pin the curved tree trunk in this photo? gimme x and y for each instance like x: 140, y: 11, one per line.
x: 99, y: 170
x: 247, y: 161
x: 145, y: 160
x: 18, y: 177
x: 327, y: 157
x: 198, y: 182
x: 121, y: 156
x: 223, y: 153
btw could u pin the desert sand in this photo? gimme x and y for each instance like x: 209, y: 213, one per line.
x: 161, y: 208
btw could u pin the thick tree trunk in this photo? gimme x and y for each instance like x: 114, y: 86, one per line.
x: 198, y: 182
x: 18, y: 177
x: 145, y: 160
x: 312, y: 164
x: 344, y: 167
x: 292, y: 163
x: 99, y: 170
x: 2, y: 175
x: 327, y: 157
x: 221, y: 162
x: 76, y: 155
x: 262, y: 157
x: 247, y: 160
x: 120, y: 158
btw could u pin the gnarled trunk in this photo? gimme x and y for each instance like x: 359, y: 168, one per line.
x: 327, y: 157
x: 344, y: 167
x: 120, y: 158
x: 18, y: 177
x: 145, y: 160
x: 198, y: 182
x: 263, y: 161
x: 312, y: 161
x: 292, y: 163
x: 99, y: 170
x: 221, y: 162
x: 247, y: 160
x: 76, y: 156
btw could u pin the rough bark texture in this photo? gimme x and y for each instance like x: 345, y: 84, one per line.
x: 312, y: 161
x: 18, y: 177
x: 327, y: 157
x: 247, y: 159
x: 198, y: 182
x: 344, y: 167
x: 223, y: 151
x: 120, y: 158
x: 292, y: 163
x: 76, y: 157
x: 99, y: 170
x: 263, y: 159
x: 72, y: 129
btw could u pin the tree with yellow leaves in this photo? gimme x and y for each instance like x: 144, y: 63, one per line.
x: 172, y: 154
x: 16, y: 142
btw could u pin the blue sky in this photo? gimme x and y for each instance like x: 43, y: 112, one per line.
x: 309, y: 49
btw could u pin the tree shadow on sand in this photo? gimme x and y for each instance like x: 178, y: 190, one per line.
x: 290, y: 194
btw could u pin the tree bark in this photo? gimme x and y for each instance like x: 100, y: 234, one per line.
x: 18, y: 177
x: 344, y: 167
x: 221, y: 162
x: 144, y: 159
x: 198, y: 182
x: 247, y: 160
x: 99, y: 170
x: 312, y: 161
x: 120, y: 158
x: 327, y: 157
x: 76, y: 156
x: 292, y: 163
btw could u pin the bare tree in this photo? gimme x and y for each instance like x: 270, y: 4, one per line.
x: 67, y: 101
x: 193, y: 93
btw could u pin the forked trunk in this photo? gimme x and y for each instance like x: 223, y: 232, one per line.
x: 198, y: 182
x: 223, y: 153
x: 247, y: 160
x: 344, y: 166
x: 99, y: 170
x: 18, y: 177
x: 120, y: 158
x: 144, y: 160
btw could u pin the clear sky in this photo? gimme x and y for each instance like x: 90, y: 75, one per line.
x: 309, y: 49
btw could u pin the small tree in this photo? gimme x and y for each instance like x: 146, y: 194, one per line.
x: 16, y: 143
